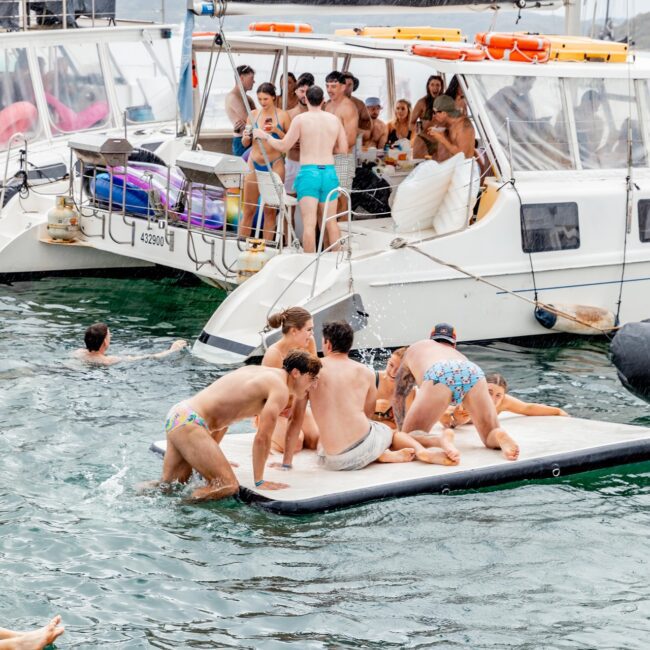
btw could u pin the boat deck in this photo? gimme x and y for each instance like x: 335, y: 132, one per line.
x: 550, y: 447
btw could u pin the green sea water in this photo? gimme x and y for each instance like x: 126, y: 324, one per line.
x: 543, y: 565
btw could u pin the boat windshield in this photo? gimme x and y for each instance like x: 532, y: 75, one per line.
x: 143, y: 81
x: 528, y: 116
x: 606, y: 117
x: 18, y: 111
x: 74, y: 87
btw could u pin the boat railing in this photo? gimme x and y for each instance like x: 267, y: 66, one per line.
x: 16, y: 137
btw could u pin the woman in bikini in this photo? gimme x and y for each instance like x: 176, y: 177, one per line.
x: 276, y: 122
x: 423, y: 145
x: 385, y: 383
x: 497, y: 387
x: 297, y: 334
x: 399, y: 128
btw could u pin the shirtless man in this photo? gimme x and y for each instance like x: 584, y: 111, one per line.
x: 236, y: 109
x: 345, y: 109
x: 196, y: 426
x: 445, y: 376
x: 292, y: 163
x: 343, y: 403
x: 319, y: 134
x: 97, y: 339
x: 452, y: 130
x: 365, y: 121
x: 379, y: 131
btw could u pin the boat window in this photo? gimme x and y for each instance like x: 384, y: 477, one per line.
x: 527, y: 114
x: 644, y: 220
x: 549, y: 227
x: 18, y: 111
x: 74, y: 87
x: 605, y: 114
x: 142, y: 77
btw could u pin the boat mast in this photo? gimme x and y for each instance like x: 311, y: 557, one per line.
x: 572, y: 10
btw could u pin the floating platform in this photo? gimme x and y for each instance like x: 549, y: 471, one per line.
x: 551, y: 447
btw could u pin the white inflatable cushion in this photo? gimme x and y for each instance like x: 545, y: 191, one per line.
x: 421, y: 193
x: 452, y: 213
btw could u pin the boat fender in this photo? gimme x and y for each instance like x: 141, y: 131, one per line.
x: 630, y: 350
x: 575, y: 319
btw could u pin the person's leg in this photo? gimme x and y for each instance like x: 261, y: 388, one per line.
x: 251, y: 194
x: 308, y: 208
x: 431, y: 401
x: 332, y: 230
x: 34, y: 640
x: 310, y: 430
x: 270, y: 214
x: 279, y: 437
x: 448, y: 456
x: 481, y: 408
x: 201, y: 452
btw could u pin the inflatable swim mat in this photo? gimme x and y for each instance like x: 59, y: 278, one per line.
x: 551, y: 447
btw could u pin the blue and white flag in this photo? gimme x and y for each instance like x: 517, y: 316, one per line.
x: 185, y: 89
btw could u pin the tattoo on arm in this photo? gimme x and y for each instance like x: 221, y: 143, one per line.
x: 404, y: 383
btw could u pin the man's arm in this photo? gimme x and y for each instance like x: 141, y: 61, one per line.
x: 371, y: 395
x: 350, y: 119
x: 176, y: 345
x: 514, y: 405
x: 383, y: 135
x: 341, y: 140
x: 284, y: 144
x: 268, y: 419
x: 404, y: 383
x: 293, y: 430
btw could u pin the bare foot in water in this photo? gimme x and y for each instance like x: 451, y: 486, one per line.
x: 434, y: 457
x: 405, y: 455
x: 447, y: 444
x: 509, y: 448
x: 39, y: 638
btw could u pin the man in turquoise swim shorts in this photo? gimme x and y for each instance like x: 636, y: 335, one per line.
x: 445, y: 376
x: 320, y: 134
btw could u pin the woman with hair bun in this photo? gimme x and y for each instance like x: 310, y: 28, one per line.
x: 297, y: 327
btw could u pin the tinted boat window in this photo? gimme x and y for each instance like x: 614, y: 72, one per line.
x: 644, y: 220
x: 527, y: 114
x: 18, y: 111
x: 549, y: 227
x: 606, y: 117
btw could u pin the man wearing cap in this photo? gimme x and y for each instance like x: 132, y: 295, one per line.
x: 445, y: 376
x: 452, y: 130
x: 379, y: 132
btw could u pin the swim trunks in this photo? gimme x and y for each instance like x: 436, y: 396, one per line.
x: 181, y: 414
x: 316, y: 181
x: 459, y: 375
x: 361, y: 453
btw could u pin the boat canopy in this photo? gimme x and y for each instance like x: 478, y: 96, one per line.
x: 50, y: 12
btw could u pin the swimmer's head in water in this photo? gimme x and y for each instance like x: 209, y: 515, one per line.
x: 497, y: 387
x: 444, y: 333
x: 95, y: 336
x: 339, y: 334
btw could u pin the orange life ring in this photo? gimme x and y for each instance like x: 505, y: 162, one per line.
x: 513, y: 41
x: 449, y: 53
x: 281, y: 28
x: 521, y: 56
x: 18, y: 117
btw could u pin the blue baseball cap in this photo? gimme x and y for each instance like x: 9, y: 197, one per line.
x: 444, y: 332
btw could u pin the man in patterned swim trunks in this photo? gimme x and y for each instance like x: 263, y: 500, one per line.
x: 445, y: 376
x: 196, y: 426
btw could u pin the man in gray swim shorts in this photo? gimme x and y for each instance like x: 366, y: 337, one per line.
x: 343, y: 403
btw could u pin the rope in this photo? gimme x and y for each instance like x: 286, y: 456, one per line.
x: 402, y: 243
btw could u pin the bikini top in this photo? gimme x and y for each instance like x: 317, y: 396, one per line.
x: 277, y: 123
x: 393, y: 137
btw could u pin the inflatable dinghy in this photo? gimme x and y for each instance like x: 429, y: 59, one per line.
x: 550, y: 447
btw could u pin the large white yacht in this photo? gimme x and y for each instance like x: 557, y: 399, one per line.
x: 562, y: 217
